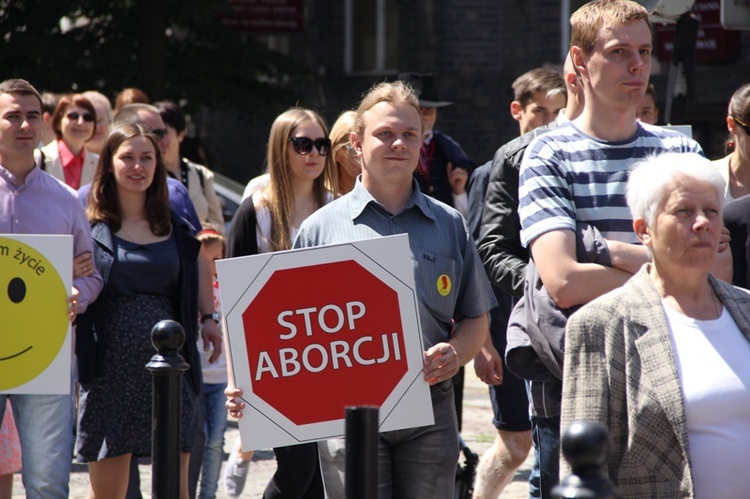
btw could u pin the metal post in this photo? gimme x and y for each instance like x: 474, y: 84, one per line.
x: 166, y: 368
x: 585, y: 446
x: 361, y: 473
x: 681, y: 79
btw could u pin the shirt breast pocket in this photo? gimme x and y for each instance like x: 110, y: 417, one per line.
x: 437, y: 284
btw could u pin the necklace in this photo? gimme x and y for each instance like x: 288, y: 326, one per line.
x: 130, y: 237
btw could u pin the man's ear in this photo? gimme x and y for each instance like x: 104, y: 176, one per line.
x: 579, y: 60
x: 573, y: 82
x: 180, y: 137
x: 515, y: 110
x: 642, y: 231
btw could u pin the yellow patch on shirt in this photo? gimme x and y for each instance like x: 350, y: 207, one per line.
x: 444, y: 285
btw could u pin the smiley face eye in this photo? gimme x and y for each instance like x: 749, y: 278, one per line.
x: 16, y: 290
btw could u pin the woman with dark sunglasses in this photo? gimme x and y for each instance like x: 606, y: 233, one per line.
x: 66, y: 159
x: 735, y: 167
x: 301, y: 173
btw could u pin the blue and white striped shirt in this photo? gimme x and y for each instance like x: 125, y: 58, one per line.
x: 568, y: 177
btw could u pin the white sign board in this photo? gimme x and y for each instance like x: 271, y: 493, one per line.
x: 35, y: 281
x: 314, y: 330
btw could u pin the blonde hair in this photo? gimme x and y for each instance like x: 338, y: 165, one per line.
x: 391, y: 92
x: 586, y: 22
x: 278, y: 195
x: 340, y: 131
x: 340, y: 139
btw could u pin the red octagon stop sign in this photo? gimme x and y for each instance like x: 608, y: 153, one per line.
x: 322, y: 337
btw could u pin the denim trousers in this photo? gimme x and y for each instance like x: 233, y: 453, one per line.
x: 213, y: 400
x: 545, y: 473
x: 45, y: 427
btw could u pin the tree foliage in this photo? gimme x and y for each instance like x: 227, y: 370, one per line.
x: 172, y: 49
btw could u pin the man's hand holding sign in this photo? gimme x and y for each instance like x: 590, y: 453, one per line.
x: 320, y: 329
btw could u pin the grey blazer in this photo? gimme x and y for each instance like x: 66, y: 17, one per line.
x: 620, y: 371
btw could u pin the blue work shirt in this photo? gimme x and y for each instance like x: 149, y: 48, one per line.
x: 451, y: 282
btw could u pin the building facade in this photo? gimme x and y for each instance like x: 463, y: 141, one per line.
x: 475, y: 49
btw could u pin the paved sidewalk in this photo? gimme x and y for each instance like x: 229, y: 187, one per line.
x: 478, y: 433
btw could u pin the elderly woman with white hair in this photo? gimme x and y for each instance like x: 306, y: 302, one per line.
x: 662, y: 361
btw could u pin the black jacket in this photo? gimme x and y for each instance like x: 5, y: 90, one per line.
x: 737, y: 220
x: 446, y: 150
x: 185, y: 303
x: 499, y: 244
x: 243, y: 239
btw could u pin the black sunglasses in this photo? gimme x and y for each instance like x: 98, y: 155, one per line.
x: 87, y: 117
x: 159, y: 133
x: 304, y: 145
x: 742, y: 125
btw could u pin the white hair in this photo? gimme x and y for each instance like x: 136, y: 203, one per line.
x: 653, y: 177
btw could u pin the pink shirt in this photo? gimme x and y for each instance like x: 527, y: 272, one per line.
x: 72, y: 164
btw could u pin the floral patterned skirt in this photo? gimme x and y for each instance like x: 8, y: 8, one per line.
x: 10, y: 445
x: 114, y: 410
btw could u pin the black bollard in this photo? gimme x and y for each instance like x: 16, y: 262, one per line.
x: 166, y: 368
x: 361, y: 472
x: 585, y: 446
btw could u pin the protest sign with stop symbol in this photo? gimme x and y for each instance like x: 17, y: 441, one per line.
x: 312, y: 331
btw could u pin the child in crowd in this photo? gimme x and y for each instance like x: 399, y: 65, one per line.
x: 214, y: 378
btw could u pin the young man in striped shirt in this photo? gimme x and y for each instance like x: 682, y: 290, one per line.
x: 578, y: 173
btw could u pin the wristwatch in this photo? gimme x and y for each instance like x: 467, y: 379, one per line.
x: 213, y: 316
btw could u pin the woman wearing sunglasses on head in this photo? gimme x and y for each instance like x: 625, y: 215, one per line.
x: 301, y: 172
x: 66, y: 159
x: 735, y: 167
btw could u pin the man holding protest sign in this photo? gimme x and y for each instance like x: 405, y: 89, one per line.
x: 451, y: 286
x: 32, y: 202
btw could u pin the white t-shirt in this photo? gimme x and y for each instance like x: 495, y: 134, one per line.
x: 263, y: 229
x: 713, y: 363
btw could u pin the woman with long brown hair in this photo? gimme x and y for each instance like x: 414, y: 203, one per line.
x: 301, y: 171
x: 147, y: 257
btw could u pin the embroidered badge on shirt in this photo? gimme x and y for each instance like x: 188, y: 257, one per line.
x: 444, y: 285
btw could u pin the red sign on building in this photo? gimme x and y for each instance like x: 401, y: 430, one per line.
x: 713, y: 43
x: 265, y: 15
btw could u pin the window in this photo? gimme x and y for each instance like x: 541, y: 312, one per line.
x: 371, y: 43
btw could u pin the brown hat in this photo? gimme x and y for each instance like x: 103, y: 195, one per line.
x: 424, y: 86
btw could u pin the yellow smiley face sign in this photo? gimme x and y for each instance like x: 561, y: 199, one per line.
x: 33, y: 307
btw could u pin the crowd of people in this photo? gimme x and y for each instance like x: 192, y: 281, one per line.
x: 597, y: 265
